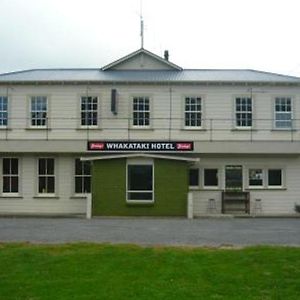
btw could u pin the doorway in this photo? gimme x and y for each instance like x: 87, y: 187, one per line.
x: 234, y: 178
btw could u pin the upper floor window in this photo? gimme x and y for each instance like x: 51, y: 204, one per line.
x: 10, y: 173
x: 141, y: 111
x: 243, y: 112
x: 283, y: 112
x: 3, y: 111
x: 193, y: 112
x: 89, y: 111
x: 46, y: 176
x: 82, y: 176
x: 39, y: 111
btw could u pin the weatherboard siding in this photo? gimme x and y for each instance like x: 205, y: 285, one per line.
x: 218, y: 106
x: 28, y: 201
x: 274, y: 201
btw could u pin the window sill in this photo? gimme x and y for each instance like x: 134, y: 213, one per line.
x: 140, y: 203
x: 6, y: 196
x: 85, y: 128
x: 47, y: 196
x: 147, y: 128
x: 243, y: 129
x: 79, y: 196
x: 5, y: 128
x: 267, y: 189
x: 38, y: 128
x: 193, y: 129
x: 284, y: 129
x: 206, y: 189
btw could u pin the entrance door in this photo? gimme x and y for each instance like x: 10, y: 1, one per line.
x: 234, y: 178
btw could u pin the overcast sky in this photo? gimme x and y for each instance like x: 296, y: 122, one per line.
x: 254, y: 34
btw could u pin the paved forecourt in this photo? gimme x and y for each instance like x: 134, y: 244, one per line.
x: 154, y: 231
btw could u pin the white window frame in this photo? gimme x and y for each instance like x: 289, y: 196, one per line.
x: 190, y: 111
x: 210, y: 187
x: 240, y: 112
x: 282, y: 178
x: 46, y: 175
x: 136, y: 161
x: 144, y: 111
x: 2, y: 111
x: 263, y: 185
x: 283, y: 112
x: 10, y: 194
x: 82, y: 176
x: 35, y: 97
x: 89, y: 111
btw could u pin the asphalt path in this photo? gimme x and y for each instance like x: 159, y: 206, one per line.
x: 229, y: 232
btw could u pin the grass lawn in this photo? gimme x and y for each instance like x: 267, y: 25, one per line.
x: 92, y: 271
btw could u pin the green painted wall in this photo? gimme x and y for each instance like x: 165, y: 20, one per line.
x: 109, y: 189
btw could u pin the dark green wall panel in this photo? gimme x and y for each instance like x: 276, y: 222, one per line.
x: 109, y: 189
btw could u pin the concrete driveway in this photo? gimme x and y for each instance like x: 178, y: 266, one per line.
x: 153, y: 231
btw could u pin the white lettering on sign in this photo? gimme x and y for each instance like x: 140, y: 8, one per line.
x: 140, y: 146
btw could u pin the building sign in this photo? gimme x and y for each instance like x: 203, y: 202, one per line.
x: 142, y: 146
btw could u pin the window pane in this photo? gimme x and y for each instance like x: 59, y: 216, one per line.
x: 6, y: 166
x: 50, y: 166
x: 140, y: 196
x: 78, y: 185
x: 6, y: 184
x: 42, y: 185
x: 210, y: 177
x: 78, y: 167
x: 14, y: 166
x: 255, y: 177
x: 87, y: 184
x: 140, y: 177
x: 14, y: 184
x: 50, y: 184
x: 86, y: 167
x: 193, y: 177
x: 275, y: 177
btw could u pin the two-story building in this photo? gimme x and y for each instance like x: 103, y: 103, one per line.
x: 142, y: 133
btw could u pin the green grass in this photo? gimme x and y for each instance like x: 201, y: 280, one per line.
x: 91, y: 271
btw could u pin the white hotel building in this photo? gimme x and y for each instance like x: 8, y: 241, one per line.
x: 236, y: 131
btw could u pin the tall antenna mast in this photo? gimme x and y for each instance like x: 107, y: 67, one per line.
x: 142, y: 25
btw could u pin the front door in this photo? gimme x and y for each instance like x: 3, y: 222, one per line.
x: 234, y: 178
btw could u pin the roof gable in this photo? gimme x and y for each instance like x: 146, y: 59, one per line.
x: 141, y: 60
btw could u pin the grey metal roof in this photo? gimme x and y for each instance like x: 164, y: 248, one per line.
x: 149, y: 76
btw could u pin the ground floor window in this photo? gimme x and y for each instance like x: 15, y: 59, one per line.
x: 194, y: 177
x: 10, y: 172
x: 82, y: 176
x: 46, y: 176
x: 275, y: 177
x: 255, y: 177
x: 234, y: 178
x: 140, y: 182
x: 210, y: 177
